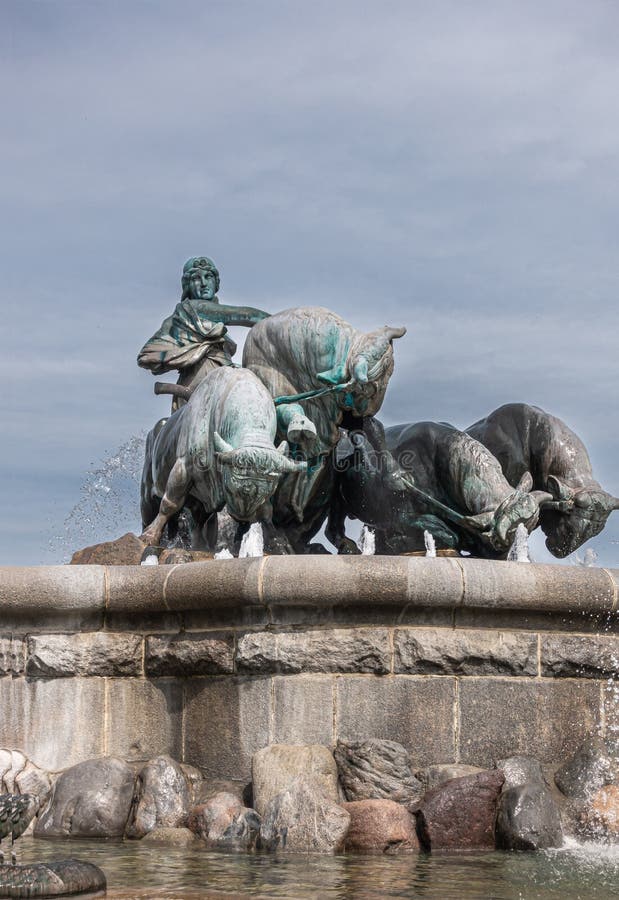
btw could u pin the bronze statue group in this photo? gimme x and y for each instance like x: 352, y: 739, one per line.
x: 290, y: 439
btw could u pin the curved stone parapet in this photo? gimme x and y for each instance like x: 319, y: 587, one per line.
x: 460, y: 660
x: 86, y: 594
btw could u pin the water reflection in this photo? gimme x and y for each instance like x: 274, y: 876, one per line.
x: 138, y: 872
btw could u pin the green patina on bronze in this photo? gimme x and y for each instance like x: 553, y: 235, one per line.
x: 194, y: 339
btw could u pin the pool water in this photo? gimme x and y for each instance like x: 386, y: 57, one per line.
x: 138, y: 872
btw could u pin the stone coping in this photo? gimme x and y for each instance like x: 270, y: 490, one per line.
x: 88, y: 594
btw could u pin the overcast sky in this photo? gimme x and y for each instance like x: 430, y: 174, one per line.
x: 449, y: 166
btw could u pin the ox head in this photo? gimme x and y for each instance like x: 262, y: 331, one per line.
x: 251, y: 475
x: 498, y: 527
x: 574, y: 516
x: 365, y: 373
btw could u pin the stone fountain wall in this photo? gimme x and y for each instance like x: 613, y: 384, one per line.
x: 459, y: 660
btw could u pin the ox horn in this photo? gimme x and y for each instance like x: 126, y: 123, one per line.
x: 283, y: 464
x: 283, y: 448
x: 558, y: 489
x: 616, y: 503
x: 525, y: 484
x: 480, y: 522
x: 392, y: 333
x: 360, y: 370
x: 221, y: 446
x: 543, y: 498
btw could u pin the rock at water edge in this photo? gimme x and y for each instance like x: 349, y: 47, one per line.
x: 460, y: 814
x: 376, y: 769
x: 276, y: 766
x: 303, y: 819
x: 91, y: 799
x: 528, y: 819
x: 380, y: 826
x: 587, y: 771
x: 161, y: 798
x: 433, y: 776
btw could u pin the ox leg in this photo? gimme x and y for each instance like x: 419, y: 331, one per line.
x: 335, y: 530
x: 275, y: 540
x: 172, y: 502
x: 211, y: 530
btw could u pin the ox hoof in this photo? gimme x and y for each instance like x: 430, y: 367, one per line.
x: 301, y: 430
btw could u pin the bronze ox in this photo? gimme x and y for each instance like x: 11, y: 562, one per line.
x: 322, y: 372
x: 216, y: 450
x: 428, y: 476
x: 525, y: 438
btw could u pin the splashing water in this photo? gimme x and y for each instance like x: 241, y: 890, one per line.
x: 253, y: 542
x: 430, y: 543
x: 151, y: 560
x: 367, y: 542
x: 588, y: 560
x: 109, y: 504
x: 519, y: 550
x: 224, y: 554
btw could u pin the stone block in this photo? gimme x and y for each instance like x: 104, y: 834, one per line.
x: 415, y: 711
x: 143, y: 622
x: 513, y: 619
x: 216, y: 583
x: 135, y: 590
x: 94, y: 653
x: 144, y: 718
x: 44, y: 598
x: 334, y: 650
x: 12, y: 656
x: 434, y: 651
x: 303, y: 710
x: 226, y: 720
x: 219, y: 617
x: 189, y: 654
x: 580, y: 656
x: 505, y: 717
x: 549, y: 588
x: 55, y: 723
x: 324, y: 580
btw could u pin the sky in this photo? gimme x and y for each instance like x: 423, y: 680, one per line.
x: 447, y: 166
